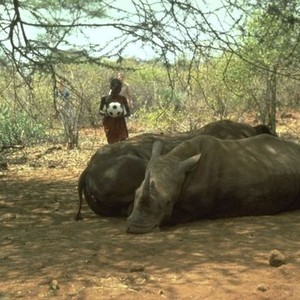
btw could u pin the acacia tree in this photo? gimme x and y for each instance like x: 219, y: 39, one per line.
x: 198, y: 30
x: 170, y: 27
x: 271, y: 42
x: 264, y: 35
x: 35, y: 39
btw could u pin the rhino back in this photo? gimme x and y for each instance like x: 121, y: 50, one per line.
x: 253, y: 176
x: 227, y: 129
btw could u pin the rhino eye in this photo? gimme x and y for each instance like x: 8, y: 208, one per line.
x: 152, y: 184
x: 154, y: 188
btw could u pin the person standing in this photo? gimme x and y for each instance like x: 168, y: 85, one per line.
x: 125, y: 91
x: 67, y: 114
x: 115, y: 127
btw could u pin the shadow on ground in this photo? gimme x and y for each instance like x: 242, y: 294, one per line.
x: 45, y: 253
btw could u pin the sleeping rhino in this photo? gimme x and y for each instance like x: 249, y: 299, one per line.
x: 115, y: 171
x: 206, y: 177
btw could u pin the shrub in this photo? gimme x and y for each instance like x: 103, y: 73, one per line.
x: 17, y: 128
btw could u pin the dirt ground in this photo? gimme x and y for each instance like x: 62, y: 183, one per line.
x: 45, y: 254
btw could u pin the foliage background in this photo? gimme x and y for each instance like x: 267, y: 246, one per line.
x: 29, y: 115
x: 234, y: 59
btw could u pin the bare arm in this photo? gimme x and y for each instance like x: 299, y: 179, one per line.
x: 126, y: 92
x: 125, y: 102
x: 101, y: 107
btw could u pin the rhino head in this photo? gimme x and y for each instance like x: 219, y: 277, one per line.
x: 157, y: 195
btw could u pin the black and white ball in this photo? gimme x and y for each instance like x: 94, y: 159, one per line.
x: 115, y: 109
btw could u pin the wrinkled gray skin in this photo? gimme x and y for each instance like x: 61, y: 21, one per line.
x: 117, y: 170
x: 206, y: 177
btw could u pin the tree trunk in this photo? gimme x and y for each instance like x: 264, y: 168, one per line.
x: 272, y: 100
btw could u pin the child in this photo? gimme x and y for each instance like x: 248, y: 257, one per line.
x: 115, y: 128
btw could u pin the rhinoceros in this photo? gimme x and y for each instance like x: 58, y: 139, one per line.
x: 206, y: 177
x: 115, y: 171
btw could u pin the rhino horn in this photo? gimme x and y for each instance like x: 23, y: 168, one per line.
x: 157, y: 148
x: 190, y: 163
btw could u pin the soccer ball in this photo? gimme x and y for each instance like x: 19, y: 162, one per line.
x: 115, y: 109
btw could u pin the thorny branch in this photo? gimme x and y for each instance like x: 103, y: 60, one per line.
x: 171, y: 28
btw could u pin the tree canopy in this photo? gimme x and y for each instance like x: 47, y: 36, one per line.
x: 37, y: 33
x: 224, y: 55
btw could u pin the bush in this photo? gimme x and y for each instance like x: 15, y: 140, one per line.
x: 160, y: 120
x: 17, y: 128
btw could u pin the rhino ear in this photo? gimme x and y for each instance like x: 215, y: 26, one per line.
x: 157, y: 148
x: 190, y: 163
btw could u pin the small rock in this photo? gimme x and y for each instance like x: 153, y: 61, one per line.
x: 54, y: 285
x: 137, y: 268
x: 262, y: 288
x: 276, y: 258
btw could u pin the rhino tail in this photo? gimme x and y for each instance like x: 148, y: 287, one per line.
x: 80, y: 187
